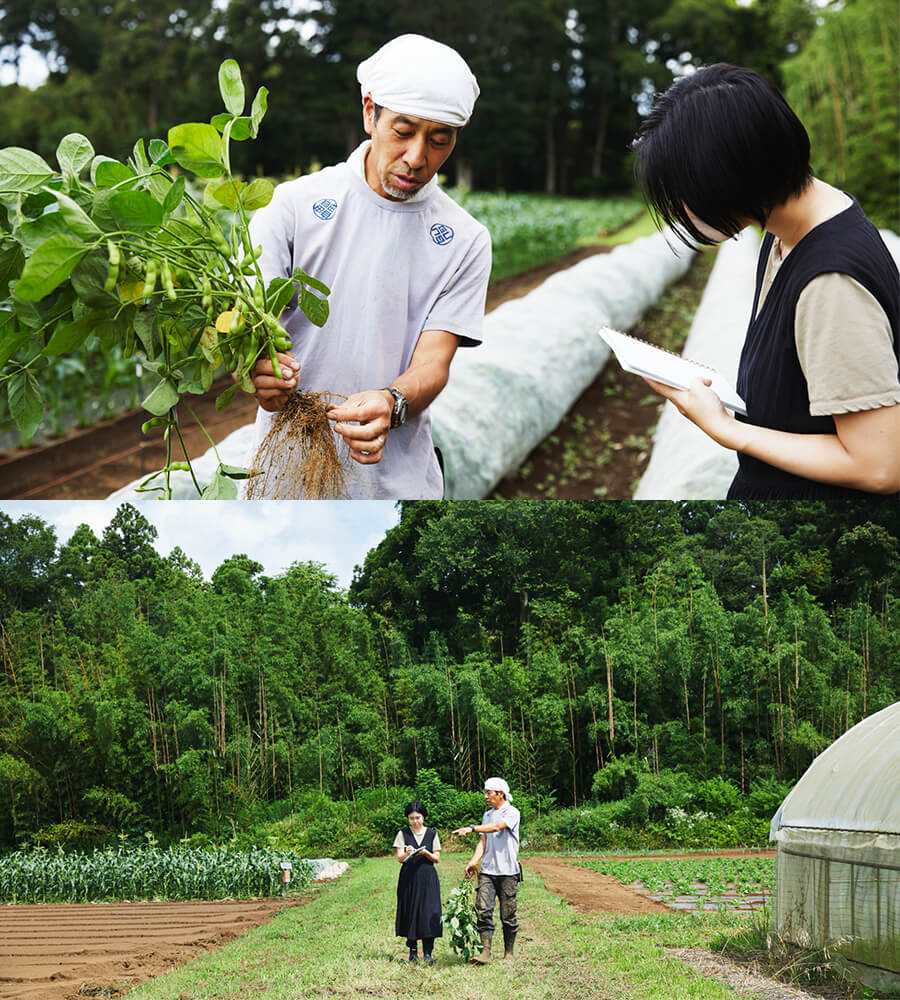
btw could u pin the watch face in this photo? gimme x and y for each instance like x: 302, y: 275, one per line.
x: 398, y: 415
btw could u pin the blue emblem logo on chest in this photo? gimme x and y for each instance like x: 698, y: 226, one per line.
x: 325, y: 208
x: 441, y: 234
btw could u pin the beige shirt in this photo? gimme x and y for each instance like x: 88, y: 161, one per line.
x: 418, y: 838
x: 844, y: 343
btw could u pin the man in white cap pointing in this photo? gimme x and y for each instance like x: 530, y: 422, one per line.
x: 408, y: 269
x: 498, y: 851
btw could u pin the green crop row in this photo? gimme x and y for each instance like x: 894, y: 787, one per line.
x: 530, y: 230
x: 678, y: 876
x: 146, y: 873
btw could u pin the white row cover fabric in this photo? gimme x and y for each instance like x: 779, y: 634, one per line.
x: 838, y: 837
x: 685, y: 463
x: 540, y: 352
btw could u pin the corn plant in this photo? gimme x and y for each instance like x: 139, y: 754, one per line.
x: 146, y: 873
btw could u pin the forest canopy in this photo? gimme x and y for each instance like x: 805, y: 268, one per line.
x: 563, y: 86
x: 552, y: 642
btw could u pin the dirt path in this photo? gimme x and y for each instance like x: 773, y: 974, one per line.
x: 587, y: 891
x: 69, y: 951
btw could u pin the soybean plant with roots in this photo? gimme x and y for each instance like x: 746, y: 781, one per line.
x: 124, y: 253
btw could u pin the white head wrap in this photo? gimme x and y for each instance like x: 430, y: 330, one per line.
x: 498, y: 785
x: 414, y: 75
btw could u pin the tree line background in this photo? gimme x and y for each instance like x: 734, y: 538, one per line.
x: 576, y: 648
x: 563, y: 85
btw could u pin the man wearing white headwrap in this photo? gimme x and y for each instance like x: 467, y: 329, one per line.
x: 498, y: 851
x: 407, y: 266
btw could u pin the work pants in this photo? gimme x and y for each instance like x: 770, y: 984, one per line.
x: 490, y: 889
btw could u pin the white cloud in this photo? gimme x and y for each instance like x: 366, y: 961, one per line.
x: 276, y: 534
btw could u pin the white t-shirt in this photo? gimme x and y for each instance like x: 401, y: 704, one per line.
x: 394, y: 270
x: 501, y: 849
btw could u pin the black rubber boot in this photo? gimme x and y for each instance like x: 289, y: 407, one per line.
x: 509, y: 940
x: 485, y: 955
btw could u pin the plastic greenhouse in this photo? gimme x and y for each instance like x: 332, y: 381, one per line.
x: 838, y: 840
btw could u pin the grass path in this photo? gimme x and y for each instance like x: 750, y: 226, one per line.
x: 341, y: 945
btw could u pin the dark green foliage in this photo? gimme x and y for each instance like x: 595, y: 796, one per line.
x: 560, y: 85
x: 642, y: 674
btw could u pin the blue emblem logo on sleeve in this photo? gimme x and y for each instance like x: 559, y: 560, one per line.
x: 325, y: 208
x: 441, y: 234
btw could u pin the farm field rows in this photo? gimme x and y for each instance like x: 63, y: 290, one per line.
x: 738, y: 883
x: 342, y: 945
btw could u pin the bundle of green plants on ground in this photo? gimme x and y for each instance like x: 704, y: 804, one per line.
x: 146, y: 873
x: 108, y: 254
x: 529, y: 230
x: 460, y: 923
x: 671, y: 877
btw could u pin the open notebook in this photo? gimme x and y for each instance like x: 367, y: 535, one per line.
x: 671, y: 369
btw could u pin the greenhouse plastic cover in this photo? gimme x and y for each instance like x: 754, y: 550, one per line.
x: 838, y: 866
x: 540, y: 352
x: 852, y: 787
x: 685, y: 463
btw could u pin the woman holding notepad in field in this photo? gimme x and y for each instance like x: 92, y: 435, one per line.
x: 820, y: 367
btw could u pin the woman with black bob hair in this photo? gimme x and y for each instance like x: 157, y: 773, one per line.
x: 820, y: 367
x: 418, y: 890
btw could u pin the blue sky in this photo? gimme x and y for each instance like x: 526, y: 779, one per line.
x: 337, y: 533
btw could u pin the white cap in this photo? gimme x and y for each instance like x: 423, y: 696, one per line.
x: 415, y: 75
x: 498, y: 785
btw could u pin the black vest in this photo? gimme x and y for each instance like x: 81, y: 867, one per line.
x: 770, y: 378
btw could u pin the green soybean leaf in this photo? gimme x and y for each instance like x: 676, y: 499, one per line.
x: 222, y: 194
x: 12, y: 339
x: 174, y: 196
x: 74, y: 153
x: 258, y: 110
x: 139, y: 158
x: 320, y: 286
x: 279, y: 293
x: 159, y: 153
x: 70, y: 336
x: 136, y: 210
x: 146, y: 330
x: 35, y: 232
x: 197, y: 147
x: 12, y: 260
x: 25, y: 404
x: 239, y: 130
x: 224, y: 398
x: 106, y: 172
x: 75, y: 217
x: 221, y: 488
x: 231, y: 87
x: 257, y: 194
x: 89, y: 282
x: 100, y: 212
x: 21, y: 170
x: 315, y: 309
x: 161, y: 399
x: 49, y: 265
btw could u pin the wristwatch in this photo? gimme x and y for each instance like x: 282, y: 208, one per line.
x: 398, y: 414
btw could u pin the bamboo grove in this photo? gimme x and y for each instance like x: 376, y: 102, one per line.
x: 545, y: 641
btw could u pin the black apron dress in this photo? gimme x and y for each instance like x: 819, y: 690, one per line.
x: 418, y: 893
x: 770, y: 378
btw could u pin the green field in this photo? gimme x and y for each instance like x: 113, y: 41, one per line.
x: 528, y: 230
x: 342, y: 945
x: 671, y: 877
